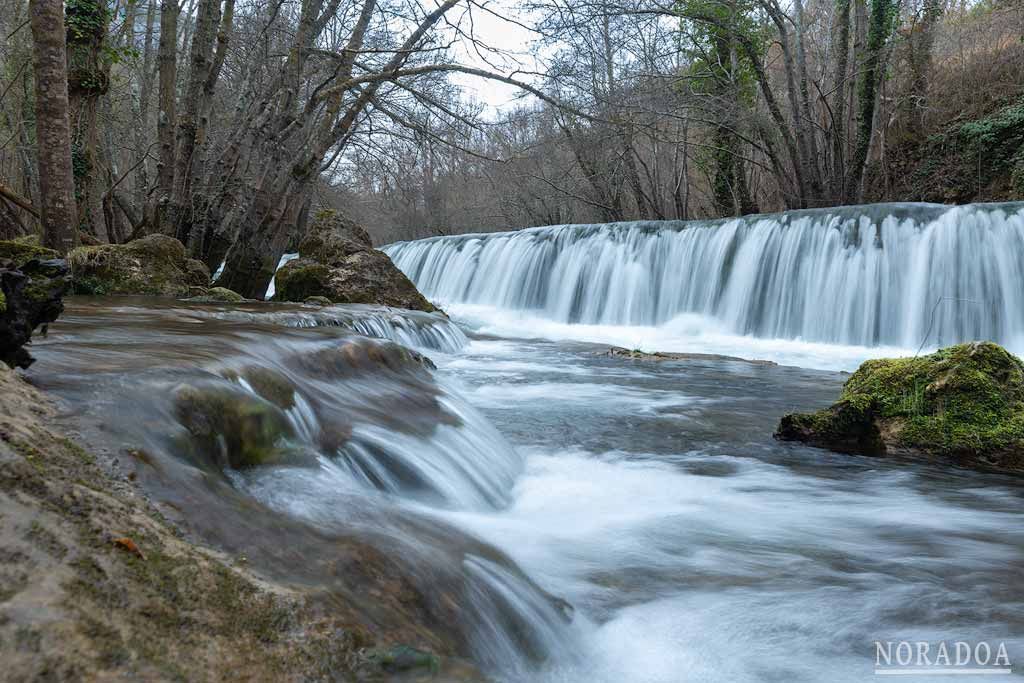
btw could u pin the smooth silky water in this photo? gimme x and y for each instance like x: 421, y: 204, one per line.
x: 599, y: 519
x: 790, y: 286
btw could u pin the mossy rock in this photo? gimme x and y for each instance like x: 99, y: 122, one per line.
x: 224, y: 294
x: 271, y: 385
x: 217, y: 295
x: 963, y: 404
x: 301, y: 279
x: 338, y: 264
x: 155, y: 265
x: 363, y: 356
x: 31, y: 295
x: 846, y: 427
x: 197, y: 274
x: 158, y: 247
x: 332, y: 238
x: 233, y: 428
x: 366, y: 277
x: 24, y: 249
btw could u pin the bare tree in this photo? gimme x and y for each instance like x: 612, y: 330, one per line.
x: 53, y: 132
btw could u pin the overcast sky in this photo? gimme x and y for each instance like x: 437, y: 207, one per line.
x: 502, y: 34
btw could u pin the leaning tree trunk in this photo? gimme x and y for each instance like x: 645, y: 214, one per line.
x: 253, y: 258
x: 53, y: 132
x: 201, y: 65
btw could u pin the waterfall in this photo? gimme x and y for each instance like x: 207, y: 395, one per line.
x: 886, y: 274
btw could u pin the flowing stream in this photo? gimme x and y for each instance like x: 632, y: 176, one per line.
x: 593, y: 518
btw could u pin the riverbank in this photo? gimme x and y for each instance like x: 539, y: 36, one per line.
x: 96, y: 581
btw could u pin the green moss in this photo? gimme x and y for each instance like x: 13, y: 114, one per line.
x: 159, y: 247
x: 300, y: 279
x: 22, y: 250
x: 965, y: 399
x: 176, y: 600
x: 154, y: 265
x: 3, y: 303
x: 256, y: 613
x: 224, y: 294
x: 33, y: 456
x: 110, y: 269
x: 76, y: 450
x: 38, y: 290
x: 247, y: 430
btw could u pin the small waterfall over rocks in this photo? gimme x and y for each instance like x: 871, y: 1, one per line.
x: 410, y: 328
x: 887, y: 274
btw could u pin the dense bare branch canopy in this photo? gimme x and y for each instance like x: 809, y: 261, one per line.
x: 226, y: 122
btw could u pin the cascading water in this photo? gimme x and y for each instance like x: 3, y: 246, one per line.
x: 251, y: 418
x: 410, y: 328
x: 893, y: 274
x: 559, y: 514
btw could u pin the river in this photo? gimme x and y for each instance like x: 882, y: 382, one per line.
x: 649, y: 495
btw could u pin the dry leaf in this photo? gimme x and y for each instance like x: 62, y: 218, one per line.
x: 125, y: 543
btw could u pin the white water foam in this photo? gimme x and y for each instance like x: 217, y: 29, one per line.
x: 687, y: 333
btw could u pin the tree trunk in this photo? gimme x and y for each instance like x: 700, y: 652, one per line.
x: 88, y: 80
x: 812, y: 165
x: 200, y: 67
x: 196, y: 229
x: 841, y: 47
x: 53, y: 131
x: 142, y: 112
x: 922, y: 44
x: 681, y: 187
x: 253, y: 258
x: 167, y: 61
x: 878, y: 34
x: 644, y: 206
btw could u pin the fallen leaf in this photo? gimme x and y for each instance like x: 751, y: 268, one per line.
x: 125, y: 543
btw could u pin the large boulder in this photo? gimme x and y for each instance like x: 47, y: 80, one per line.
x: 962, y: 405
x: 155, y: 265
x: 366, y: 277
x: 332, y: 238
x: 31, y: 294
x: 337, y: 262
